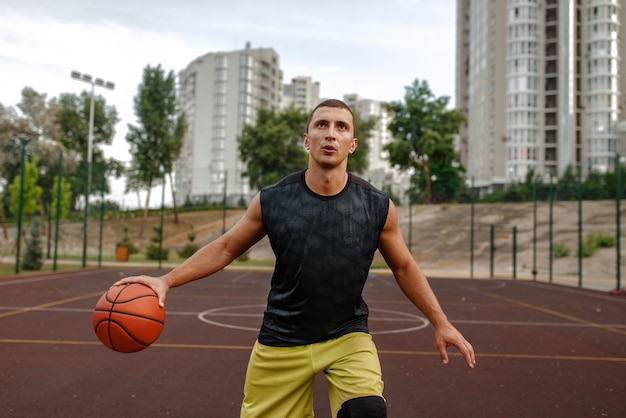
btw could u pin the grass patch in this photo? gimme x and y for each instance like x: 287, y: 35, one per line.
x: 7, y: 269
x: 594, y: 242
x: 560, y: 250
x: 253, y: 263
x: 379, y: 266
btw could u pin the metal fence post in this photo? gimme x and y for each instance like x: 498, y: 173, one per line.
x: 493, y: 250
x: 514, y: 253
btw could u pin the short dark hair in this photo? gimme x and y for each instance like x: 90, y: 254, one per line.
x: 332, y: 103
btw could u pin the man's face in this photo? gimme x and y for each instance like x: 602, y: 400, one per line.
x: 330, y: 137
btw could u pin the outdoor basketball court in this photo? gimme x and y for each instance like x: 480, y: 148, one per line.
x: 542, y: 350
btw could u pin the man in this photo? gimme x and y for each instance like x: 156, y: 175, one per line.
x: 324, y: 226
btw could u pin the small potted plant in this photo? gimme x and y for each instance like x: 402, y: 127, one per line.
x: 124, y: 248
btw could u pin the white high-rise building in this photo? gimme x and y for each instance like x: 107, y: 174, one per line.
x: 542, y: 84
x: 220, y: 92
x: 379, y: 171
x: 303, y: 93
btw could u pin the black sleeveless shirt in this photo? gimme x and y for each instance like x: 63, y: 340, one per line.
x: 324, y: 246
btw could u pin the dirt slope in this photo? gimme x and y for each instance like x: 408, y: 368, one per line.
x: 442, y: 236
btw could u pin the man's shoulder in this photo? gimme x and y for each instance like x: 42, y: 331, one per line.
x: 285, y: 181
x: 361, y: 182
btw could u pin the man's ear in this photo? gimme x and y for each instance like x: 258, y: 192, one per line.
x: 305, y: 142
x: 354, y: 144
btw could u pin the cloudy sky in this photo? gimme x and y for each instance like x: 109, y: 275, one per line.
x: 370, y: 47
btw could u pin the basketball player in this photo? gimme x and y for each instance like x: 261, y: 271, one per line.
x: 324, y: 225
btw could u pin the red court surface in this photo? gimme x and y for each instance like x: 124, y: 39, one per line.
x: 542, y: 350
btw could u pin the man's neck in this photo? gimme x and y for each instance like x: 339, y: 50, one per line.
x: 326, y: 182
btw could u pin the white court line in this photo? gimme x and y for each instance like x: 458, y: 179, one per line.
x: 54, y: 276
x: 381, y: 279
x: 218, y: 312
x: 539, y: 324
x: 240, y: 277
x: 575, y: 291
x: 409, y: 317
x: 33, y: 308
x: 470, y: 287
x: 74, y: 274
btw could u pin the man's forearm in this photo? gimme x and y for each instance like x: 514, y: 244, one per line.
x: 415, y: 286
x: 207, y: 260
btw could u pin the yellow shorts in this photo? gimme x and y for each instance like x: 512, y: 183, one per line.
x: 279, y: 380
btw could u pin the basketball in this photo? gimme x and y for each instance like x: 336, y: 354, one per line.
x: 128, y: 318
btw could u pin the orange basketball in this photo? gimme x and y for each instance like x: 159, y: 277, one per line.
x: 128, y: 318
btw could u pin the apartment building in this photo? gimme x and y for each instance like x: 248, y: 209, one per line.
x: 303, y: 93
x: 542, y: 84
x: 379, y: 171
x: 220, y: 92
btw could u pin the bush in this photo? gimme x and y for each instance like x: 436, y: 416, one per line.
x: 589, y: 248
x: 595, y: 241
x: 191, y: 248
x: 152, y: 253
x: 559, y: 250
x: 244, y: 257
x: 494, y: 197
x: 33, y: 259
x: 188, y: 250
x: 605, y: 241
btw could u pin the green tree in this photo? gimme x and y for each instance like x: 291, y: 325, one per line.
x: 64, y: 201
x: 33, y: 258
x: 567, y: 187
x: 133, y: 181
x: 446, y: 182
x: 73, y: 120
x: 523, y: 191
x: 157, y: 140
x: 610, y: 182
x: 595, y: 187
x: 273, y: 147
x: 10, y: 156
x: 31, y: 192
x: 358, y: 161
x: 39, y: 114
x: 33, y: 120
x: 9, y: 143
x: 423, y: 130
x: 39, y: 117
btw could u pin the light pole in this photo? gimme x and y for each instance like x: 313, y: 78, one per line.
x: 111, y: 86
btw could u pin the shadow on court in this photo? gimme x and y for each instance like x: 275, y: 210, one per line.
x: 542, y: 350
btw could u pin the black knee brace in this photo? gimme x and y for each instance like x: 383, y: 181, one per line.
x: 365, y: 407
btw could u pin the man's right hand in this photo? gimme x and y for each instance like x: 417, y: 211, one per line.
x: 155, y: 283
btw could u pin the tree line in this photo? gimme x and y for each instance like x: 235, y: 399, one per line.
x: 52, y: 137
x: 423, y: 129
x: 569, y: 186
